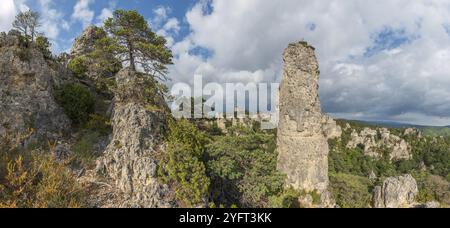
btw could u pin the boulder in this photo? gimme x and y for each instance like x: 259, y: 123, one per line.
x: 396, y: 192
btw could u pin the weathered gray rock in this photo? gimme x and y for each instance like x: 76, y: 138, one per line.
x: 330, y: 128
x: 99, y: 66
x: 27, y: 82
x: 396, y: 192
x: 130, y: 159
x: 376, y: 140
x: 303, y: 129
x: 413, y: 132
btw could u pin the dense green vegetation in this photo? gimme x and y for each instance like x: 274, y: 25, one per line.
x: 351, y: 191
x: 228, y: 170
x: 242, y: 167
x: 77, y: 102
x: 183, y: 167
x: 44, y: 45
x: 437, y: 131
x: 350, y: 168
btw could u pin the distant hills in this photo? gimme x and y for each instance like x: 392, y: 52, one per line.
x: 433, y: 131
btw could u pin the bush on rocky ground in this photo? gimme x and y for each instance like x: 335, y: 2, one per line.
x: 351, y: 191
x: 34, y: 179
x: 77, y: 102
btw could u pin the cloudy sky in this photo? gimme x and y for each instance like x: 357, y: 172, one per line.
x: 380, y: 60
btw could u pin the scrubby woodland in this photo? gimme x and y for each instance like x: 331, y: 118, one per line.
x: 202, y: 164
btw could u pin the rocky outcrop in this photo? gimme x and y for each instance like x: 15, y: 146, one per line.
x: 330, y: 128
x: 413, y: 132
x: 85, y: 43
x: 303, y: 129
x: 396, y: 192
x: 27, y: 82
x: 376, y: 141
x: 131, y: 158
x: 93, y: 64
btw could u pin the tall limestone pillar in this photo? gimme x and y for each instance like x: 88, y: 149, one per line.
x: 131, y: 159
x: 302, y: 131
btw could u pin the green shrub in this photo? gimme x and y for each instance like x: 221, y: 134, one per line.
x: 78, y: 66
x: 44, y: 45
x: 77, y: 101
x: 183, y: 167
x: 355, y: 162
x: 351, y: 191
x: 242, y: 167
x: 287, y: 199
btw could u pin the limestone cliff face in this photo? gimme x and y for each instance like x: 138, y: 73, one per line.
x: 396, y: 192
x: 27, y: 81
x: 131, y: 158
x: 303, y: 130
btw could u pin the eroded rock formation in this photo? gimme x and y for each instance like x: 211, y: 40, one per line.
x: 376, y: 141
x: 130, y: 160
x: 396, y: 192
x: 85, y: 43
x: 303, y: 130
x: 27, y: 81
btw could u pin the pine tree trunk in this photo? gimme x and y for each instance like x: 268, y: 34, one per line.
x: 132, y: 63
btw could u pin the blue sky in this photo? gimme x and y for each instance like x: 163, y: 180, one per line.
x: 174, y: 8
x: 380, y: 60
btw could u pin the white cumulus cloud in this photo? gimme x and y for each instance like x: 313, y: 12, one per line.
x: 380, y: 60
x: 7, y: 13
x: 83, y: 13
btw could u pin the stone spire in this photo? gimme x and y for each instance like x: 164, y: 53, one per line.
x: 303, y: 129
x: 130, y: 160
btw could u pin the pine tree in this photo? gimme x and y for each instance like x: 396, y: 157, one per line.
x: 136, y: 44
x: 27, y: 23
